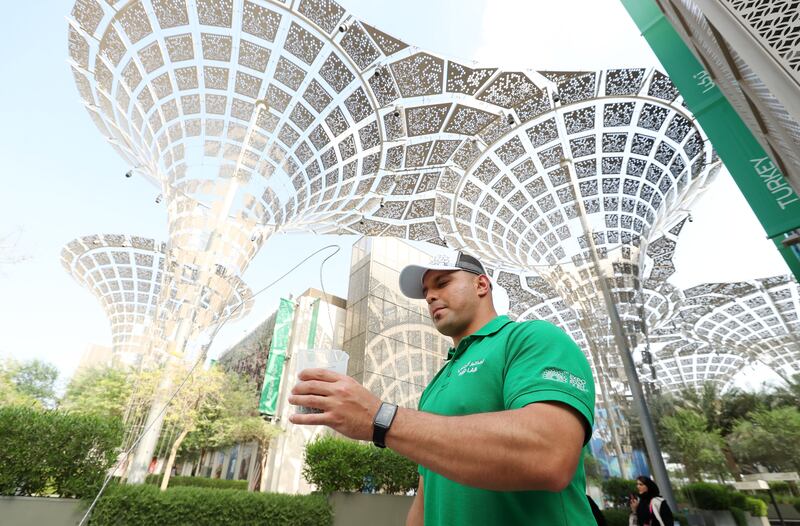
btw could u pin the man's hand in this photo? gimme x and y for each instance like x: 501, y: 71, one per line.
x: 348, y: 407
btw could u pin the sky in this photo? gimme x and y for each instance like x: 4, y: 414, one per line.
x: 61, y: 180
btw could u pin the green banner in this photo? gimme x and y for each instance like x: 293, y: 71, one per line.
x: 312, y: 332
x: 277, y: 356
x: 768, y: 193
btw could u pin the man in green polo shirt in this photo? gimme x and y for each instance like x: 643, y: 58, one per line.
x: 500, y: 429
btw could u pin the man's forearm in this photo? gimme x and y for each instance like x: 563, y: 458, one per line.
x: 499, y: 451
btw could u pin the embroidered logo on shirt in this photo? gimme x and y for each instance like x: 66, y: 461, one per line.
x: 469, y: 367
x: 565, y: 377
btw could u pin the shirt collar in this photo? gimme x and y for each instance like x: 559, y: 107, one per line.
x: 489, y: 329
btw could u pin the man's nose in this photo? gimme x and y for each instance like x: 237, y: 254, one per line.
x: 430, y: 297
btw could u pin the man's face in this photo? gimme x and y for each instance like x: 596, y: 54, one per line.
x: 453, y: 299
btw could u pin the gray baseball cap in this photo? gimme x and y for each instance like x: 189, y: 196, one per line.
x: 411, y: 276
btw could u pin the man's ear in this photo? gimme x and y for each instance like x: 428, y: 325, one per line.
x: 484, y: 286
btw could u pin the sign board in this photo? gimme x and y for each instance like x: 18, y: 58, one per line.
x: 790, y: 476
x: 766, y: 190
x: 751, y: 485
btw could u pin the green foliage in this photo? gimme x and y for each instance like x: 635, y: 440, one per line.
x: 686, y: 438
x: 102, y: 391
x: 253, y: 429
x: 788, y: 396
x: 392, y: 473
x: 224, y: 419
x: 707, y: 496
x: 756, y: 507
x: 591, y: 468
x: 49, y: 451
x: 36, y: 379
x: 738, y: 516
x: 333, y: 464
x: 616, y: 517
x: 619, y: 517
x: 780, y: 487
x: 769, y: 438
x: 10, y: 395
x: 145, y: 504
x: 617, y: 490
x: 29, y: 383
x: 198, y: 482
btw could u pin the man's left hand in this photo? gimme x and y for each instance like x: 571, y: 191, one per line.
x: 347, y: 406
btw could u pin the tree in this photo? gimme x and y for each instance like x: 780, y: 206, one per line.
x: 617, y: 490
x: 201, y: 391
x: 686, y: 438
x: 103, y: 391
x: 787, y: 396
x: 720, y: 410
x: 217, y: 423
x: 591, y: 468
x: 256, y: 429
x: 31, y: 381
x: 9, y: 394
x: 769, y: 438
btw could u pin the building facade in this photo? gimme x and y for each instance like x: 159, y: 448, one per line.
x: 316, y: 321
x: 394, y: 348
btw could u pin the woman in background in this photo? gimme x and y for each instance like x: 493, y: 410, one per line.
x: 649, y: 507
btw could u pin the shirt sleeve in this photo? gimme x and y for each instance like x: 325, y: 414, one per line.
x: 543, y: 364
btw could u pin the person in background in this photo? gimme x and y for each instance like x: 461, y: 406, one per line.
x: 649, y: 508
x: 599, y: 518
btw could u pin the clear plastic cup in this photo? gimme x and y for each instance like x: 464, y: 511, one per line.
x: 333, y: 359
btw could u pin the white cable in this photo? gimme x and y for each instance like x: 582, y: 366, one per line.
x: 191, y: 371
x: 322, y: 286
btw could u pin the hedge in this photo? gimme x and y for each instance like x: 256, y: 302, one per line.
x: 616, y: 517
x: 45, y: 452
x: 198, y: 482
x: 708, y: 496
x: 334, y: 464
x: 617, y: 490
x: 619, y: 517
x: 139, y: 504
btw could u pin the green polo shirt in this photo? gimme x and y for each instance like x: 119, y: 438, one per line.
x: 508, y: 365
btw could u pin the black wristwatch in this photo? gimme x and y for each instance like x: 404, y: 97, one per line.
x: 382, y: 422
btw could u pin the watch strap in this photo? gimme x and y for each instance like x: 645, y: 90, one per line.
x: 379, y: 430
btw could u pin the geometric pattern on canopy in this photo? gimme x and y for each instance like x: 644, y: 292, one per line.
x: 696, y: 368
x: 126, y: 274
x: 254, y: 116
x: 758, y: 318
x: 754, y: 320
x: 330, y: 124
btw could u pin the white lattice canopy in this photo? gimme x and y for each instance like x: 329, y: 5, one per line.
x: 140, y: 298
x: 758, y: 319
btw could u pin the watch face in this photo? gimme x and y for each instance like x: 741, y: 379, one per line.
x: 384, y: 415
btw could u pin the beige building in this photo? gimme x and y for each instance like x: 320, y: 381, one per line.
x: 317, y: 322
